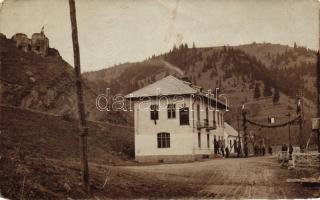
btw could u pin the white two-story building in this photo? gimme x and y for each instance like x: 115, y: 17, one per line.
x: 175, y: 121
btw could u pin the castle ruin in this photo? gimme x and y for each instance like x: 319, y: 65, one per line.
x: 38, y: 43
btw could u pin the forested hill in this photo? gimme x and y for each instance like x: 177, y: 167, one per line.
x: 265, y: 76
x: 266, y: 66
x: 277, y: 66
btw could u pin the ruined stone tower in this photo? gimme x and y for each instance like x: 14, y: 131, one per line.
x: 22, y: 42
x: 38, y: 43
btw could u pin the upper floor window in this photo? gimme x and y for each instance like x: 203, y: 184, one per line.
x: 214, y: 117
x: 221, y: 118
x: 154, y: 112
x: 184, y: 116
x: 207, y: 113
x: 171, y: 111
x: 199, y: 140
x: 163, y: 140
x: 198, y: 112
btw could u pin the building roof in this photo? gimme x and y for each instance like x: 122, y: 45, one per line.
x: 230, y: 131
x: 171, y: 85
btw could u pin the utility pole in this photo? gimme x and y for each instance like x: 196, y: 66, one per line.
x: 81, y: 109
x: 239, y: 139
x: 289, y: 115
x: 318, y: 97
x: 301, y: 120
x: 245, y: 134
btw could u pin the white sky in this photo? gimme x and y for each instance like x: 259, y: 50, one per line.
x: 117, y: 31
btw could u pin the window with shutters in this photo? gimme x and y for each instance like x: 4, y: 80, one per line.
x: 163, y: 140
x: 171, y: 111
x: 184, y: 116
x: 199, y: 140
x: 198, y: 112
x: 214, y: 117
x: 221, y: 119
x: 207, y: 113
x: 154, y: 112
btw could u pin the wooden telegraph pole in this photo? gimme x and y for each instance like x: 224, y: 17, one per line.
x: 301, y: 120
x: 245, y: 134
x: 81, y: 109
x: 318, y: 88
x: 239, y: 141
x: 289, y: 133
x: 318, y: 97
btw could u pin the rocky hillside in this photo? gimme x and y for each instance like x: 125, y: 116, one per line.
x: 28, y: 80
x: 31, y: 81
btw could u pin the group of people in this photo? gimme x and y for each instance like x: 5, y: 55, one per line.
x: 259, y: 150
x: 219, y: 148
x: 270, y: 150
x: 284, y: 147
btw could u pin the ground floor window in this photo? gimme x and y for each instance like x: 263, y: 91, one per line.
x: 163, y: 140
x: 208, y: 140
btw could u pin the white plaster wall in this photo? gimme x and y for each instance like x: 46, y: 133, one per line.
x: 180, y: 144
x: 218, y: 131
x: 181, y: 141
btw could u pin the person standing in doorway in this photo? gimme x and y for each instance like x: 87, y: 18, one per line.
x: 290, y: 151
x: 227, y: 152
x: 222, y: 149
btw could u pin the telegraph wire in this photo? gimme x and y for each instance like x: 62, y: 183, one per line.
x: 297, y: 119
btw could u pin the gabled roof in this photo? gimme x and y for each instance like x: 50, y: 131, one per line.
x: 230, y: 130
x: 169, y: 85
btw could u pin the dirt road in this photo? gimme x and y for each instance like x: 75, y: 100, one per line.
x: 256, y: 177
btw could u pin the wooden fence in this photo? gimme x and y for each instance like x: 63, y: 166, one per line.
x: 306, y: 160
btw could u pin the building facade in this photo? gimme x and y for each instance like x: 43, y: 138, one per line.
x: 176, y: 121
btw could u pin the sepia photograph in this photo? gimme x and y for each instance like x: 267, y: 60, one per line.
x: 159, y: 99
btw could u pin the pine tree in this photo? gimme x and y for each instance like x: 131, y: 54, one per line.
x: 186, y: 46
x: 256, y: 93
x: 174, y: 49
x: 276, y: 95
